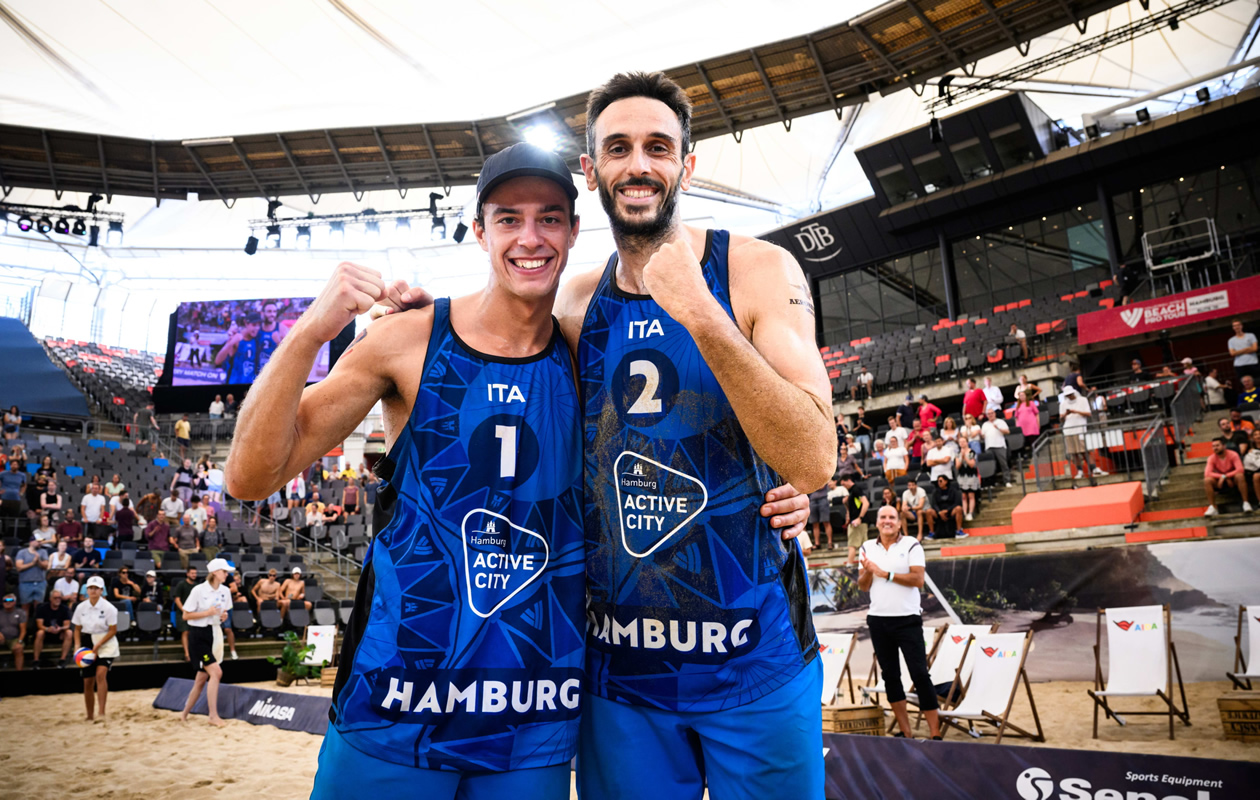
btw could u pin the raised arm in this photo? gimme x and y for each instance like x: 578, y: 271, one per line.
x: 767, y: 361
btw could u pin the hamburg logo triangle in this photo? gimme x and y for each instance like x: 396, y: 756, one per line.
x: 654, y: 502
x: 1131, y: 317
x: 500, y: 559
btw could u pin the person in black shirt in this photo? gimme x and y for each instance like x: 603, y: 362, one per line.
x: 946, y: 508
x: 1237, y: 440
x: 125, y: 589
x: 52, y: 619
x: 907, y: 412
x: 87, y: 556
x: 862, y: 432
x: 151, y: 590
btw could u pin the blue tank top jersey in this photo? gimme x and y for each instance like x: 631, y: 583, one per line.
x: 695, y: 604
x: 465, y: 649
x: 243, y: 366
x: 268, y: 341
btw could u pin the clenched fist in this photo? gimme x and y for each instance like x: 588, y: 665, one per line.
x: 400, y: 297
x: 351, y: 291
x: 675, y: 280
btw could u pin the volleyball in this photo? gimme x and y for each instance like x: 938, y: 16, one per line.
x: 84, y: 657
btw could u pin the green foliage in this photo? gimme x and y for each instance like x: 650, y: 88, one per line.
x: 291, y: 657
x: 979, y: 608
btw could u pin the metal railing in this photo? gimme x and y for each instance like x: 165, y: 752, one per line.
x: 343, y: 568
x: 1052, y: 463
x: 1185, y: 409
x: 1154, y: 448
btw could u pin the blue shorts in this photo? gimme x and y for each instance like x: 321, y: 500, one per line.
x: 771, y: 747
x: 31, y: 592
x: 345, y: 773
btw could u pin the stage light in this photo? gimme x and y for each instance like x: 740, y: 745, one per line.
x: 542, y: 136
x: 94, y: 236
x: 433, y: 198
x: 934, y: 131
x: 1143, y: 115
x: 460, y: 231
x: 1174, y: 24
x: 115, y: 233
x: 402, y: 225
x: 251, y: 245
x: 80, y: 227
x: 272, y: 205
x: 1203, y: 94
x: 93, y: 199
x: 1092, y: 131
x: 61, y: 226
x: 439, y: 229
x: 25, y: 223
x: 304, y: 236
x: 373, y: 227
x: 337, y: 230
x: 273, y: 236
x: 44, y: 225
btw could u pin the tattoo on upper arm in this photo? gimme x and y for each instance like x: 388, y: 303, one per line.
x: 357, y: 339
x: 806, y: 297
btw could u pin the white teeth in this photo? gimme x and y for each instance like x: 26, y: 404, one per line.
x: 530, y: 263
x: 637, y: 193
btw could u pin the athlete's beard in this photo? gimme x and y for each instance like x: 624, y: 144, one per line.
x: 649, y: 233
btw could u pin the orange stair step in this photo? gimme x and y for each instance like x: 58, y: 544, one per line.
x: 1138, y: 537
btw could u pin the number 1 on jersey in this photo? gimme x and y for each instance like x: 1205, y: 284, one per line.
x: 506, y: 434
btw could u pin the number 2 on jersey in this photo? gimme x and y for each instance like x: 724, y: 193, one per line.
x: 648, y: 402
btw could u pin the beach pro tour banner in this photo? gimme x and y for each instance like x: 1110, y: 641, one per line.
x: 292, y: 712
x: 872, y: 767
x: 1201, y: 305
x: 216, y: 342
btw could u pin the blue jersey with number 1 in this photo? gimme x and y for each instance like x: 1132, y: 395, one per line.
x: 466, y: 649
x: 695, y: 602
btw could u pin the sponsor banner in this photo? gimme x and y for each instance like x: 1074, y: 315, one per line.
x: 1200, y: 305
x: 292, y: 712
x: 873, y: 767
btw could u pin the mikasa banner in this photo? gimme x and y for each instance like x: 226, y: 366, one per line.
x: 292, y: 712
x: 1200, y: 305
x: 874, y: 767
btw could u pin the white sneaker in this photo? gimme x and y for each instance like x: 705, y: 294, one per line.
x: 967, y: 517
x: 234, y: 655
x: 1211, y: 511
x: 1080, y: 473
x: 1100, y: 472
x: 1009, y: 484
x: 1246, y: 507
x: 962, y: 535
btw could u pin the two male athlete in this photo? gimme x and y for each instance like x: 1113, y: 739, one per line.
x: 461, y: 671
x: 702, y: 389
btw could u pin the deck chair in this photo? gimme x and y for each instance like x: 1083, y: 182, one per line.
x: 1141, y: 658
x: 989, y: 695
x: 953, y: 660
x: 836, y: 649
x: 875, y: 684
x: 1240, y: 676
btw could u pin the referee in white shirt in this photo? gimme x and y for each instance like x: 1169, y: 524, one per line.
x: 205, y: 610
x: 892, y: 570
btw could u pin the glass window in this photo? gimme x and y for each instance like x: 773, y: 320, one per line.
x: 933, y: 172
x: 971, y: 159
x: 896, y: 185
x: 1012, y: 146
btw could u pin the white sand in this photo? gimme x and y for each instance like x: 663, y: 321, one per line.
x: 143, y: 752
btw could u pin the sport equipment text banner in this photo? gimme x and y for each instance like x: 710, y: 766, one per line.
x: 1212, y: 302
x: 292, y: 712
x: 874, y: 767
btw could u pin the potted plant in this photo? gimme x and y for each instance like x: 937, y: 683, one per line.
x: 290, y: 661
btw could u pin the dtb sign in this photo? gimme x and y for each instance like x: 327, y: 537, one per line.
x: 818, y: 239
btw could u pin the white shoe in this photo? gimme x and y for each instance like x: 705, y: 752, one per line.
x: 1246, y: 507
x: 234, y: 655
x: 1009, y: 484
x: 961, y: 535
x: 967, y: 517
x: 1080, y: 474
x: 1211, y: 511
x: 1100, y: 472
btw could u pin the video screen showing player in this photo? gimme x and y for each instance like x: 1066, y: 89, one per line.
x: 230, y: 341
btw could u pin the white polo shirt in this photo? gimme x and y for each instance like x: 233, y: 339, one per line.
x: 204, y: 598
x: 890, y: 599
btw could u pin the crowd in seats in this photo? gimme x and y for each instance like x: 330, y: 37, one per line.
x: 118, y: 380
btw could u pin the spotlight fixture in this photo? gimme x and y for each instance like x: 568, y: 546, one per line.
x: 272, y: 205
x: 273, y: 236
x: 1203, y: 94
x: 461, y: 230
x: 338, y: 231
x: 25, y: 223
x: 251, y: 244
x: 1092, y: 131
x: 434, y: 197
x: 402, y: 225
x: 542, y: 136
x: 934, y: 131
x: 373, y: 226
x: 61, y: 226
x: 93, y: 199
x: 1143, y: 115
x: 114, y: 234
x: 44, y: 225
x: 439, y: 228
x: 80, y: 227
x: 304, y: 236
x: 94, y: 236
x: 1174, y: 24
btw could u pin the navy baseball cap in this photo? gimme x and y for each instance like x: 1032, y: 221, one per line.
x: 522, y: 160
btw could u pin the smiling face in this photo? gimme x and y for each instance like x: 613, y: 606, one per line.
x: 527, y: 232
x: 638, y: 166
x: 887, y: 521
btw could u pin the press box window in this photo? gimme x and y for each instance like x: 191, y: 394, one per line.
x: 1012, y: 146
x: 933, y: 173
x: 896, y: 184
x: 971, y: 159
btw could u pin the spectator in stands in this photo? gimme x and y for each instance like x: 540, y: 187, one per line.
x: 992, y: 396
x: 211, y: 538
x: 350, y: 496
x: 1236, y: 440
x: 148, y: 507
x: 157, y: 533
x: 32, y: 568
x: 914, y: 508
x: 892, y: 570
x: 1031, y: 390
x: 98, y: 618
x: 1075, y: 413
x: 114, y: 487
x: 855, y: 450
x: 173, y: 506
x: 6, y: 567
x: 889, y: 498
x: 12, y: 423
x: 1137, y: 372
x: 45, y: 534
x: 87, y: 556
x: 52, y: 621
x: 183, y: 435
x: 125, y: 519
x: 214, y: 482
x: 1214, y: 389
x: 13, y: 629
x: 968, y: 480
x: 896, y: 460
x: 855, y: 508
x: 17, y: 453
x: 1166, y: 371
x: 1249, y: 394
x: 60, y: 562
x: 1242, y: 346
x: 971, y: 431
x: 68, y: 587
x: 949, y: 430
x: 267, y: 588
x: 296, y: 491
x: 1251, y: 466
x: 1076, y: 381
x: 46, y: 468
x: 195, y: 515
x: 92, y: 512
x: 995, y: 431
x: 70, y: 531
x: 939, y: 459
x: 187, y: 542
x: 973, y: 401
x: 1237, y: 422
x: 50, y: 500
x: 917, y: 440
x: 293, y: 589
x: 846, y: 463
x: 147, y: 418
x: 862, y: 431
x: 877, y: 457
x: 820, y: 513
x: 929, y: 413
x: 217, y: 407
x: 124, y: 590
x: 12, y: 489
x: 151, y: 589
x: 35, y: 495
x: 229, y: 407
x: 946, y: 508
x: 178, y: 595
x: 906, y: 413
x: 862, y: 386
x: 1027, y: 417
x: 1020, y: 338
x: 1224, y: 469
x: 895, y: 430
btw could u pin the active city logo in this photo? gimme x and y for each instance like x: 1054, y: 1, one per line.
x: 815, y: 238
x: 1035, y: 783
x: 1130, y: 625
x: 504, y: 559
x: 654, y: 502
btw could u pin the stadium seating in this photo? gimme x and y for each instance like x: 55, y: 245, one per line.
x: 118, y: 381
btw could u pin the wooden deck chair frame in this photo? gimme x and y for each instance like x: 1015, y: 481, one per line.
x: 1166, y: 694
x: 872, y: 677
x: 846, y: 671
x: 943, y: 702
x: 1001, y: 723
x: 1240, y: 676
